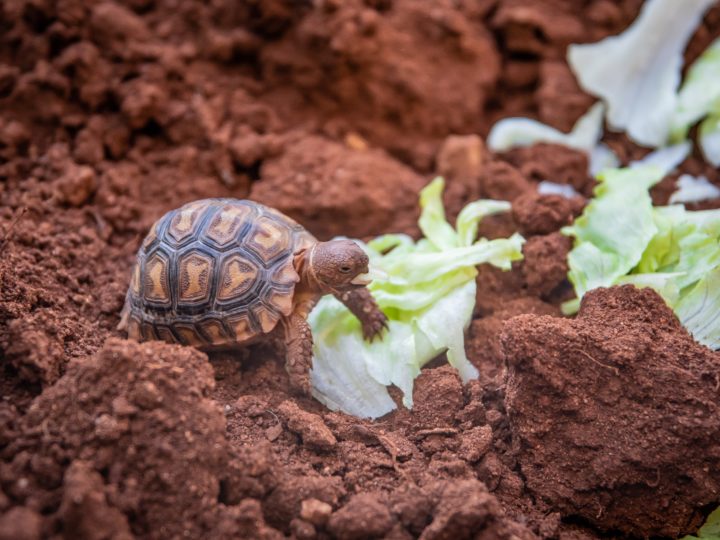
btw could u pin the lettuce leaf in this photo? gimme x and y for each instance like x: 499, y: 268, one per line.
x: 699, y: 97
x: 621, y: 238
x: 513, y: 132
x: 609, y: 241
x: 699, y: 94
x: 428, y: 297
x: 709, y: 138
x: 694, y: 189
x: 710, y: 530
x: 637, y: 73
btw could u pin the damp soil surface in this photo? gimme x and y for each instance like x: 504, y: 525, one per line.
x: 336, y: 113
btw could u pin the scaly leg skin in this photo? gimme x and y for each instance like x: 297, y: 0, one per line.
x: 299, y: 342
x: 361, y: 303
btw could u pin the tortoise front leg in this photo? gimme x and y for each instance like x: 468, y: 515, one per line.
x: 298, y: 360
x: 361, y: 303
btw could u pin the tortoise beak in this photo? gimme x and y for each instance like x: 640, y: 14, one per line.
x: 370, y: 275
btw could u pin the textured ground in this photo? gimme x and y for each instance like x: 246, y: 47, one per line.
x: 336, y: 113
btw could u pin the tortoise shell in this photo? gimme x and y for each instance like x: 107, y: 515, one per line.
x: 214, y: 272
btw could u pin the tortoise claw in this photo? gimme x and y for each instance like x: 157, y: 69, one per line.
x: 375, y: 326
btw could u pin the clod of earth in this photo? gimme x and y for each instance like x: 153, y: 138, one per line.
x: 614, y: 414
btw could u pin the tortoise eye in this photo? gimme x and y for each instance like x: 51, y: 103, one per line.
x: 345, y: 269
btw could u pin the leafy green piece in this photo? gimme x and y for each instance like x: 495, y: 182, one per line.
x: 637, y: 73
x: 699, y: 97
x: 699, y: 94
x: 513, y: 132
x: 709, y: 138
x: 694, y: 189
x: 428, y: 297
x: 621, y: 238
x: 710, y: 530
x: 609, y: 240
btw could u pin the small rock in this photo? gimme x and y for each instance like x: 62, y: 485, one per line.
x: 113, y: 21
x: 541, y: 214
x: 76, y: 186
x: 274, y: 432
x: 108, y: 429
x: 147, y: 395
x: 364, y: 516
x: 461, y: 157
x: 502, y: 181
x: 315, y: 511
x: 309, y: 426
x: 122, y: 407
x: 475, y: 442
x: 88, y: 147
x: 302, y: 530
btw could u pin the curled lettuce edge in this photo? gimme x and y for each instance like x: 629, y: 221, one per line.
x: 428, y: 296
x: 517, y: 132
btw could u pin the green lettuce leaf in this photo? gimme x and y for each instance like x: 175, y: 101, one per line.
x: 621, y: 238
x: 699, y: 97
x: 710, y: 530
x: 428, y: 297
x: 699, y: 94
x: 709, y: 138
x: 609, y: 241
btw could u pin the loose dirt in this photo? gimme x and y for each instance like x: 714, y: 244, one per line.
x: 337, y: 113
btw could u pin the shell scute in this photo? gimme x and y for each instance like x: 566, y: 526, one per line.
x: 188, y: 335
x: 156, y: 282
x: 214, y: 331
x: 222, y: 230
x: 194, y: 277
x: 185, y: 222
x: 268, y: 238
x: 242, y: 326
x: 237, y: 275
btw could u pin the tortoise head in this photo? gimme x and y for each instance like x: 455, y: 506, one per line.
x: 337, y: 265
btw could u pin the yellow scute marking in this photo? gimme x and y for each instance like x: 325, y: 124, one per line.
x: 135, y: 281
x: 151, y: 235
x: 194, y: 277
x: 188, y: 336
x: 185, y: 222
x: 238, y: 276
x: 226, y: 223
x: 269, y: 236
x: 156, y: 288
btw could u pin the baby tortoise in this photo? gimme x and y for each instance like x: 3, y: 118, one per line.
x: 222, y: 272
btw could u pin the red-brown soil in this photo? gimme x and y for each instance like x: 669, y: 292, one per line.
x: 112, y: 113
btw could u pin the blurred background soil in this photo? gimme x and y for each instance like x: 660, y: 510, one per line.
x: 336, y: 113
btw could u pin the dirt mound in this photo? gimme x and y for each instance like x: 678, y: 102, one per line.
x: 401, y: 73
x: 335, y: 190
x: 614, y: 414
x: 76, y: 459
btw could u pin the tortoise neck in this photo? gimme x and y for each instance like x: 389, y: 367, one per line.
x: 306, y: 270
